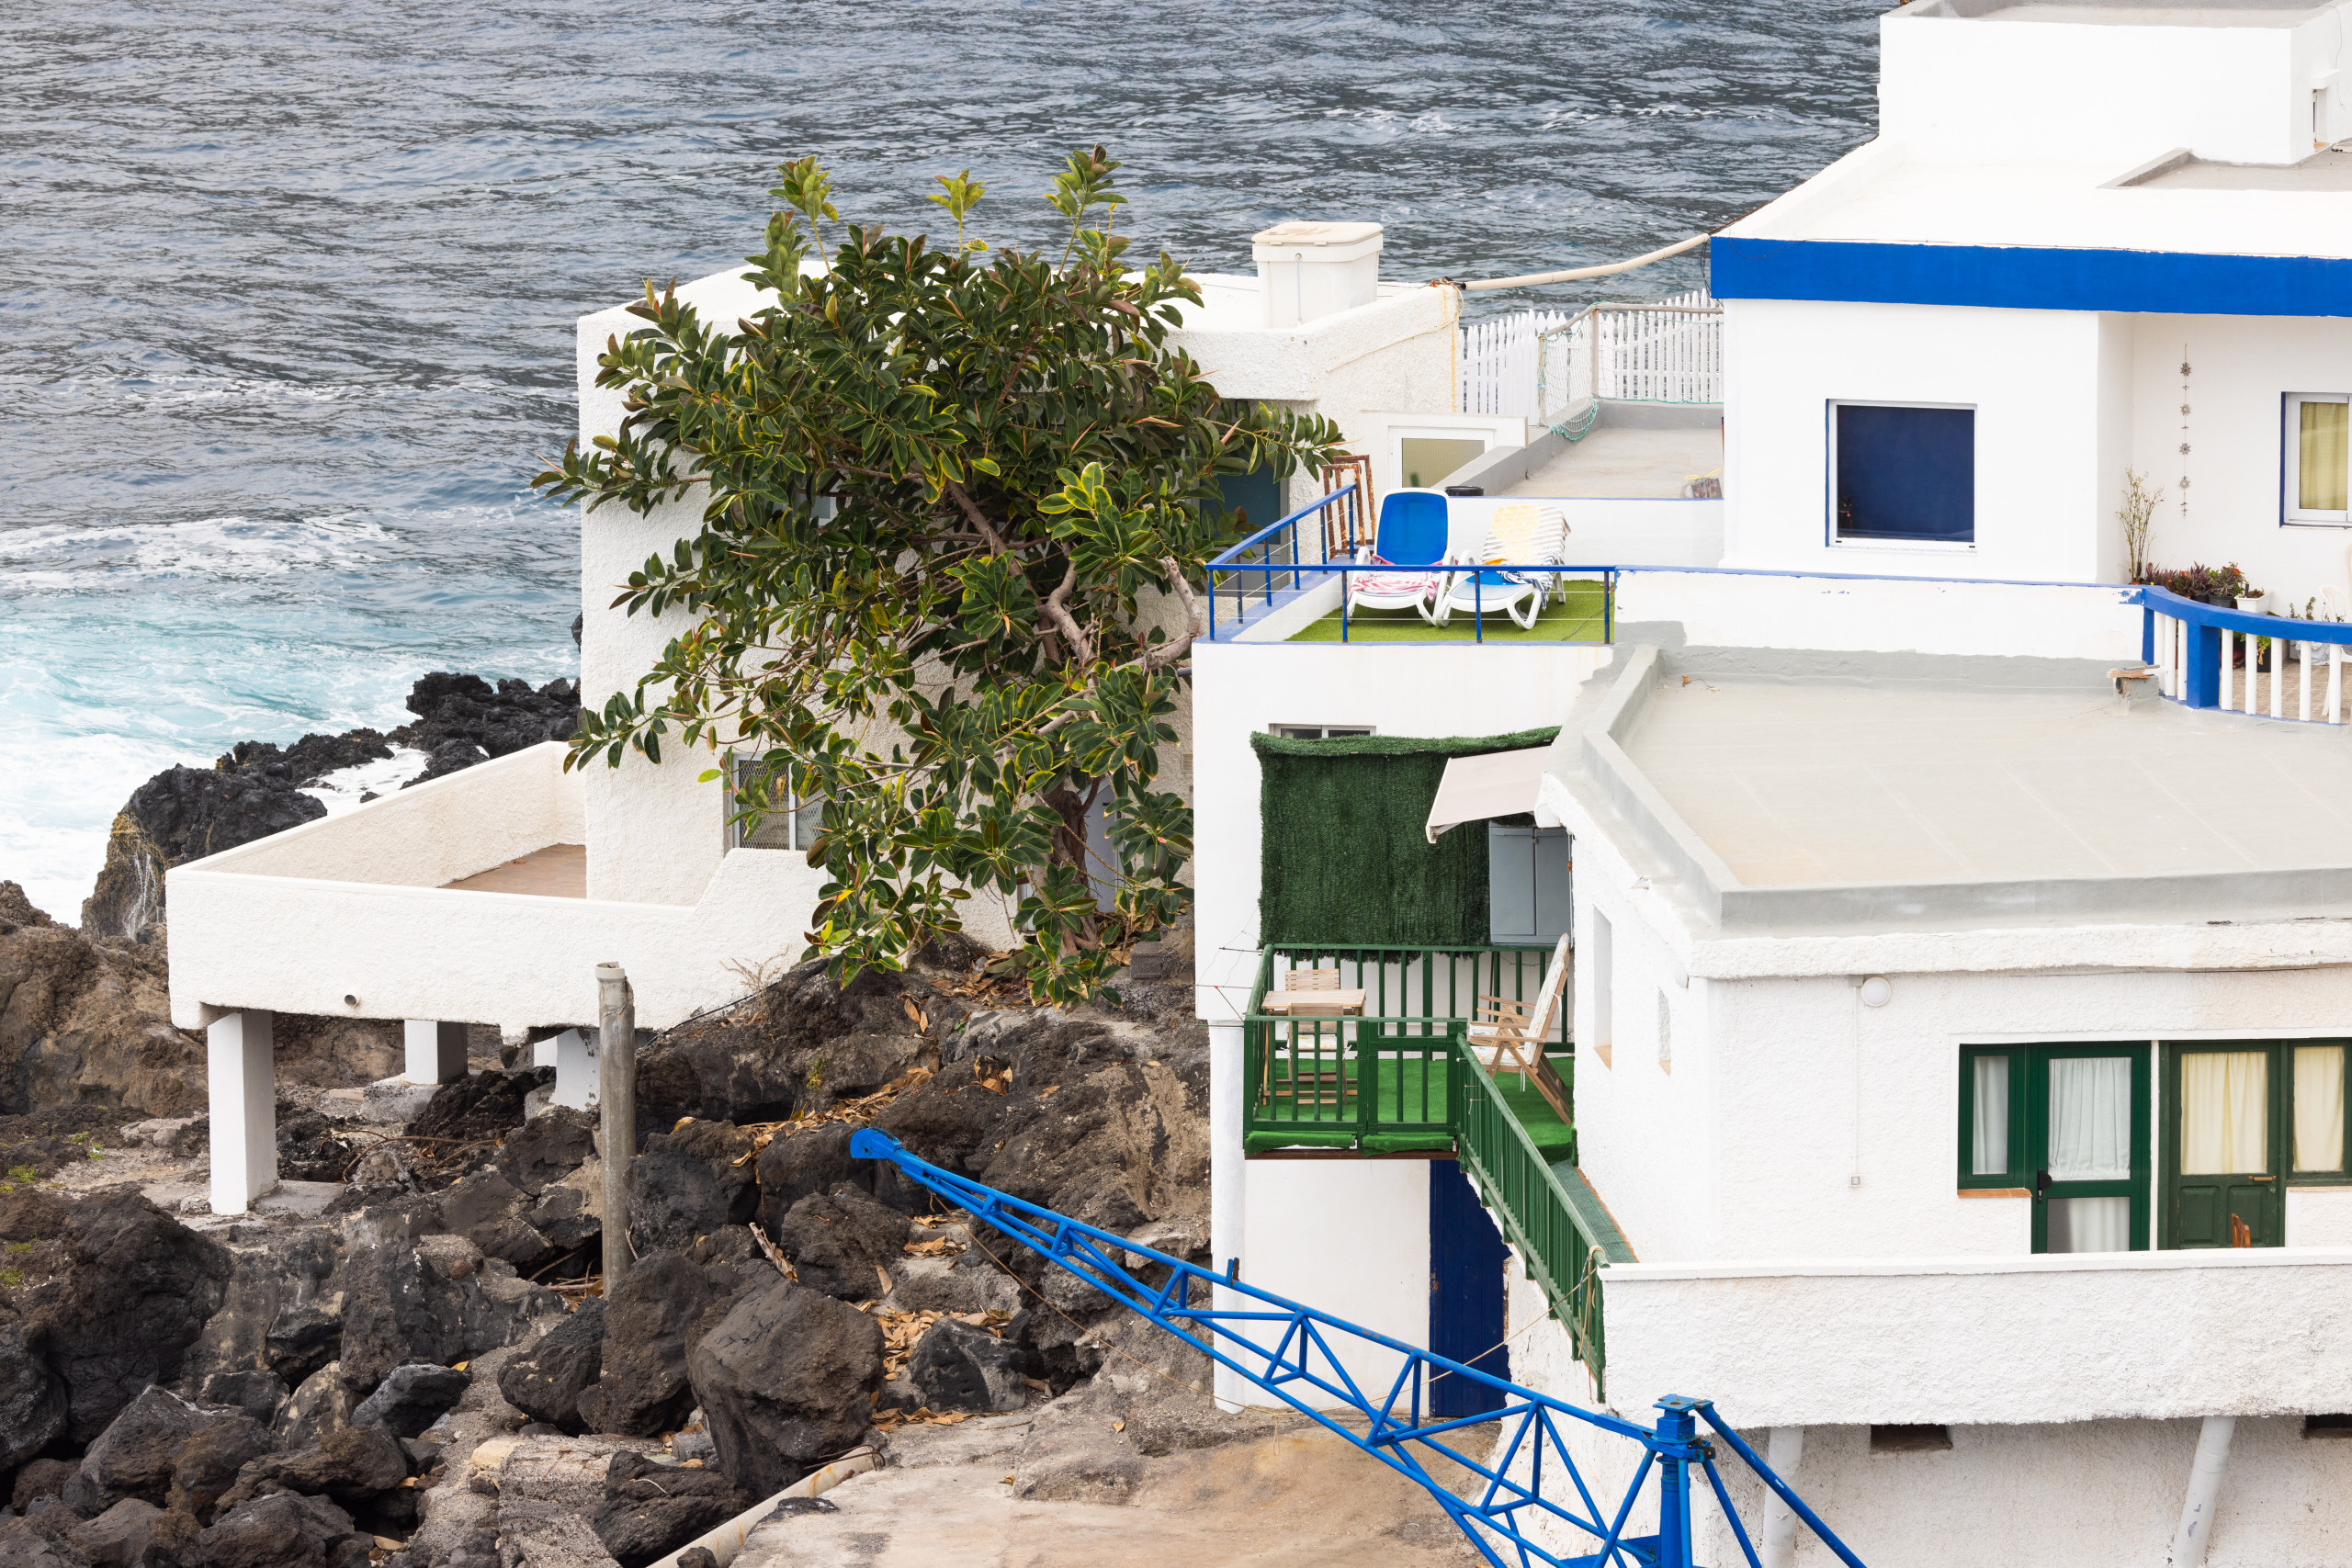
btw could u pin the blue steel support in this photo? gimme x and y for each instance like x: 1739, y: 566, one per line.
x: 1290, y: 1351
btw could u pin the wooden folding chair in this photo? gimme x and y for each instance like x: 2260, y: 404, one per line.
x: 1323, y: 1079
x: 1507, y: 1027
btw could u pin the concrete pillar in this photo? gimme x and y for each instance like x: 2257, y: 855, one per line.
x: 572, y: 1053
x: 436, y: 1052
x: 2196, y: 1531
x: 1783, y: 1451
x: 1227, y: 1184
x: 241, y: 1086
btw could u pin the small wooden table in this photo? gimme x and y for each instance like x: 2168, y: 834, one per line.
x: 1314, y: 1004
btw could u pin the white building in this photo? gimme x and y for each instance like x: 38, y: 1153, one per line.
x: 490, y: 896
x: 1958, y: 1027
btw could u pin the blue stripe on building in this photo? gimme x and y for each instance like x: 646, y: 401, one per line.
x: 2033, y: 277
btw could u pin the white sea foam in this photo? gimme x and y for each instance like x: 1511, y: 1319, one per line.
x: 343, y: 790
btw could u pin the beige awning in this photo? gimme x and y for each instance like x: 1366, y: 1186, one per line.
x: 1500, y: 783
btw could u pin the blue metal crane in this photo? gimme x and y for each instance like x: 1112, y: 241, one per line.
x: 1291, y: 1352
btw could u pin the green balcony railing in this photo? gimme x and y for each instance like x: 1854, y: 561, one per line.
x: 1557, y: 1248
x: 1382, y: 1081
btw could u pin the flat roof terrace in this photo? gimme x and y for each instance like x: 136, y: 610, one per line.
x: 1949, y: 796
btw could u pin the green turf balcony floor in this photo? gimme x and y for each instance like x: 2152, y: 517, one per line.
x: 1410, y: 1114
x: 1580, y: 616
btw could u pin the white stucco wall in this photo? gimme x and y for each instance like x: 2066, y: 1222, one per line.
x: 2032, y: 376
x: 1754, y: 609
x: 2239, y: 369
x: 2117, y: 84
x: 1348, y: 1236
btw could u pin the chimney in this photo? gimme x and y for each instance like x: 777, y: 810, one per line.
x: 1306, y: 270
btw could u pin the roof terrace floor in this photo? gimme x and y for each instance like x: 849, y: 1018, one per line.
x: 1823, y: 784
x: 1627, y: 463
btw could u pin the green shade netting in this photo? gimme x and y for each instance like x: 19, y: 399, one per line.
x: 1344, y: 859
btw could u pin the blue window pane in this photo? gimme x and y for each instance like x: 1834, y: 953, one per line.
x: 1906, y: 474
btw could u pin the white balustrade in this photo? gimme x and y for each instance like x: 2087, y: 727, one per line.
x: 2173, y: 649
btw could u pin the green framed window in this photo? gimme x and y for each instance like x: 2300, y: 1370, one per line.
x: 2244, y: 1120
x: 2067, y: 1125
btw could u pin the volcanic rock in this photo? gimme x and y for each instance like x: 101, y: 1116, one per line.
x: 88, y: 1019
x: 546, y: 1379
x: 435, y: 1300
x: 206, y: 1467
x: 690, y: 1182
x: 412, y: 1398
x: 135, y: 1534
x: 454, y: 711
x: 843, y: 1242
x: 180, y: 815
x: 960, y: 1366
x: 652, y: 1509
x: 785, y: 1381
x: 130, y: 1290
x: 479, y: 1107
x: 649, y: 1323
x: 135, y: 1455
x: 547, y: 1147
x: 284, y: 1530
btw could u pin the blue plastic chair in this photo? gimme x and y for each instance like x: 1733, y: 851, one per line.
x: 1411, y: 540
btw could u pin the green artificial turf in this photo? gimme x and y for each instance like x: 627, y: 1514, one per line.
x: 1579, y: 617
x: 1420, y: 1084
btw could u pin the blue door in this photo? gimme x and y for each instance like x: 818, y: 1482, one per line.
x: 1466, y: 1293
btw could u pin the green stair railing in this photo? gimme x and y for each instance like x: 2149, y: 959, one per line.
x: 1555, y: 1246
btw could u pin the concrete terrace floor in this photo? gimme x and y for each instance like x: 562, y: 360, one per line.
x: 1826, y: 784
x: 1618, y: 461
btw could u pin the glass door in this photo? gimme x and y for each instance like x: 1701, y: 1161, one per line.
x: 2086, y: 1133
x: 2224, y: 1154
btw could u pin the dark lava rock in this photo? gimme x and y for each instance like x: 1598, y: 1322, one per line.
x: 412, y: 1398
x: 479, y: 1107
x: 546, y: 1381
x: 843, y: 1242
x: 86, y: 1030
x: 32, y: 1399
x: 795, y: 1165
x: 133, y: 1457
x: 39, y: 1478
x: 180, y: 815
x: 306, y: 761
x: 281, y: 1320
x: 284, y: 1530
x: 133, y: 1534
x: 207, y: 1465
x: 648, y: 1322
x: 491, y: 1211
x: 463, y: 716
x: 784, y: 1380
x: 549, y: 1147
x: 652, y: 1509
x: 437, y: 1300
x: 311, y: 1147
x: 259, y: 1392
x: 127, y: 1292
x: 350, y: 1466
x: 960, y: 1366
x: 690, y: 1182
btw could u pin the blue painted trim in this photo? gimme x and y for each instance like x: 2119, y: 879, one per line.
x: 2030, y: 277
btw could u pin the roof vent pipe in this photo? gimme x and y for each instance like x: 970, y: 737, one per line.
x: 1306, y: 270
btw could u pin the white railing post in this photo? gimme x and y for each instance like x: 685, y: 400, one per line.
x: 2229, y: 642
x: 2278, y: 677
x: 2303, y: 681
x: 2335, y: 682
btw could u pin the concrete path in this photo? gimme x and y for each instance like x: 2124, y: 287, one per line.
x: 1304, y: 1500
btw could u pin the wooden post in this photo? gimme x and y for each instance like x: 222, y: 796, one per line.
x: 617, y: 1098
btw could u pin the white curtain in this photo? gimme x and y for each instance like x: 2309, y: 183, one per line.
x: 2090, y: 1118
x: 2319, y: 1108
x: 2089, y: 1224
x: 1990, y: 1156
x: 2224, y: 1107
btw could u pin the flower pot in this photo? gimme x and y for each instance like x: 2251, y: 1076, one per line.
x: 2253, y: 604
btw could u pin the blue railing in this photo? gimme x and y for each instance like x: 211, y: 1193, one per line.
x: 2199, y: 651
x: 1271, y: 568
x: 1524, y: 1487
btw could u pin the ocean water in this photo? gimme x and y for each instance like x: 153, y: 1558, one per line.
x: 290, y: 288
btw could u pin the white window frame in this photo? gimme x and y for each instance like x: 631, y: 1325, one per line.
x: 798, y: 841
x: 1837, y: 539
x: 2290, y: 463
x: 1319, y: 731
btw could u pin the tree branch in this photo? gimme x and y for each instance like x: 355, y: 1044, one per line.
x: 1057, y: 610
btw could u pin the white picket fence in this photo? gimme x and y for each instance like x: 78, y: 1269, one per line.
x: 1534, y: 363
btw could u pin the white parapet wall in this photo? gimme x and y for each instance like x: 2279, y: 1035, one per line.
x: 1882, y: 615
x: 2262, y: 1331
x: 348, y: 917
